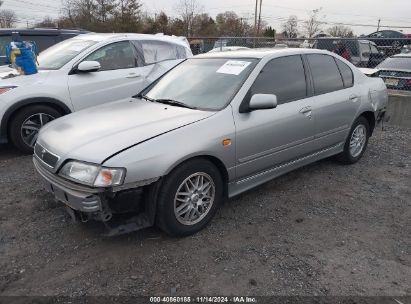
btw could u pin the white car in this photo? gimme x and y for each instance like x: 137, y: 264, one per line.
x: 228, y: 49
x: 82, y: 72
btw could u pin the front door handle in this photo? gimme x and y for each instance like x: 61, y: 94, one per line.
x: 133, y: 75
x: 307, y: 111
x: 354, y: 98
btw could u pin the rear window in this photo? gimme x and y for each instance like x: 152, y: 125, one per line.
x: 346, y: 73
x: 398, y: 63
x: 326, y: 76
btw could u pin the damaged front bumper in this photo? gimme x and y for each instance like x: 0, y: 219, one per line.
x: 85, y: 203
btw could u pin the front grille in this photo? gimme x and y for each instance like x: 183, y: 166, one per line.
x: 46, y: 156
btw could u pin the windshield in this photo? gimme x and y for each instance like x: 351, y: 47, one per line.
x: 397, y: 63
x: 58, y: 55
x: 207, y: 84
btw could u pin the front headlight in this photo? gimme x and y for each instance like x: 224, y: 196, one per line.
x: 6, y: 89
x: 92, y: 175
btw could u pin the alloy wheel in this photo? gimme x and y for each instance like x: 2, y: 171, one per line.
x: 31, y: 127
x: 194, y: 198
x: 358, y: 140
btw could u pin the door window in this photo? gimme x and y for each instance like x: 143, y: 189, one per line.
x: 4, y: 41
x: 42, y: 42
x: 115, y: 56
x: 346, y: 73
x: 326, y: 76
x: 374, y: 49
x: 365, y: 49
x: 284, y: 77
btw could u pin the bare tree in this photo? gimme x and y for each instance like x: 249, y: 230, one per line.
x: 8, y: 18
x: 312, y: 26
x: 290, y: 27
x: 341, y: 31
x: 188, y: 9
x: 47, y: 22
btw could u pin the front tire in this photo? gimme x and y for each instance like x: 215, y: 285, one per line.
x: 26, y: 124
x: 189, y: 198
x: 356, y: 142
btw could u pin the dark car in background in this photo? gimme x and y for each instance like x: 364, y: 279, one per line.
x: 396, y: 72
x: 389, y: 38
x: 361, y: 53
x: 43, y: 37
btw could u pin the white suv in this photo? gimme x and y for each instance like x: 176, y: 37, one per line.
x: 82, y: 72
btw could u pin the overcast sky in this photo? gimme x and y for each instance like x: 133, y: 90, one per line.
x: 359, y: 12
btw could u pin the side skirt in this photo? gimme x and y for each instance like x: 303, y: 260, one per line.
x: 237, y: 187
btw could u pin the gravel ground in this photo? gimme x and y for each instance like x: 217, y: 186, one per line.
x: 325, y: 229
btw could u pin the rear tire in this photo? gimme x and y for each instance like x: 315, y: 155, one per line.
x: 26, y: 123
x: 179, y: 198
x: 356, y: 142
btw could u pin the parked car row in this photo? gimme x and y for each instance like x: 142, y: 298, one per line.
x: 210, y: 128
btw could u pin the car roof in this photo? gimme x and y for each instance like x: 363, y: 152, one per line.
x: 261, y: 53
x: 403, y: 55
x: 44, y: 31
x: 99, y: 37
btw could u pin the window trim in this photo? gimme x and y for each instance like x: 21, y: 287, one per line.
x: 244, y: 106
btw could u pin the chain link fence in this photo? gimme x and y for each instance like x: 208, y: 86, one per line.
x: 387, y: 58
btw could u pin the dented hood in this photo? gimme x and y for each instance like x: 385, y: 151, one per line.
x: 95, y: 134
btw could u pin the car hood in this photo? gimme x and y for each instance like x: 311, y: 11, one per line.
x: 10, y: 76
x: 95, y: 134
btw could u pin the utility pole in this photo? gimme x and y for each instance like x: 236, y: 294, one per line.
x: 378, y: 27
x: 259, y: 19
x: 255, y: 21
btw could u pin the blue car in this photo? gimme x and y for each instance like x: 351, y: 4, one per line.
x: 43, y: 37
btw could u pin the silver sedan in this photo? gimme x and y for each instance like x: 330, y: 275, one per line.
x: 213, y: 127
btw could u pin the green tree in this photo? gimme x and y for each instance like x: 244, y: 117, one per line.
x: 269, y: 32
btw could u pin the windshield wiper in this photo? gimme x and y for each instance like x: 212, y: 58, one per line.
x: 166, y: 101
x: 174, y: 103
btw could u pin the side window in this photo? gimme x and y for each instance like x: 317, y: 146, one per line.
x: 374, y: 49
x: 156, y: 51
x: 365, y: 49
x: 115, y: 56
x: 326, y: 76
x: 346, y: 73
x: 42, y: 42
x: 4, y: 41
x: 284, y: 77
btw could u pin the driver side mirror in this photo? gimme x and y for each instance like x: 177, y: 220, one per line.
x: 263, y: 102
x: 89, y: 66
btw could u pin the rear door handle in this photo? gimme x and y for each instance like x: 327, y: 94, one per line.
x: 354, y: 98
x: 307, y: 111
x: 133, y: 75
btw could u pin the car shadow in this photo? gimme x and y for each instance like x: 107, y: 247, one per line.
x: 7, y: 151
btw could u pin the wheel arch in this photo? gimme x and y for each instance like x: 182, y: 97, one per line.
x: 370, y: 118
x: 54, y: 103
x: 218, y: 163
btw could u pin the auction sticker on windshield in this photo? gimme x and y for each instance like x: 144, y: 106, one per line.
x: 233, y: 67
